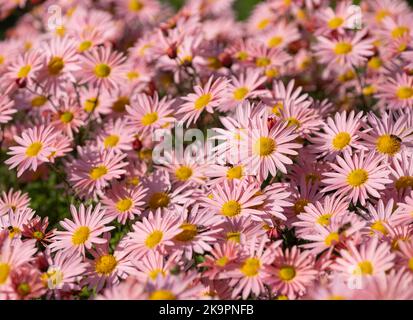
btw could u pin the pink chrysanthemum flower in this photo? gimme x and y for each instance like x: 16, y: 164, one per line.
x: 397, y: 92
x: 153, y: 233
x: 94, y: 170
x: 404, y: 212
x: 69, y: 117
x: 102, y: 67
x: 371, y: 258
x: 95, y: 102
x: 401, y: 173
x: 341, y: 133
x: 379, y: 217
x: 358, y: 176
x: 221, y: 258
x: 149, y: 113
x: 14, y: 201
x: 15, y: 221
x: 130, y: 289
x: 331, y: 20
x: 206, y: 97
x: 292, y: 272
x: 7, y: 109
x: 154, y: 264
x: 35, y: 147
x: 83, y: 231
x: 25, y: 284
x: 117, y: 136
x: 405, y: 255
x: 280, y: 35
x: 123, y: 203
x: 241, y: 230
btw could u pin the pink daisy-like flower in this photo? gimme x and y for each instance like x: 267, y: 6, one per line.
x: 25, y: 284
x: 397, y: 92
x: 149, y: 113
x: 334, y: 20
x: 154, y: 264
x: 83, y: 231
x: 206, y: 97
x: 371, y: 258
x: 404, y: 212
x: 7, y: 109
x: 35, y: 147
x: 358, y: 176
x: 117, y: 136
x: 341, y: 133
x: 401, y: 175
x: 221, y: 258
x: 280, y: 35
x: 123, y: 203
x: 345, y: 50
x: 292, y: 272
x: 130, y: 289
x: 154, y: 232
x: 94, y: 170
x: 69, y: 117
x: 15, y: 221
x: 102, y: 67
x: 379, y: 217
x: 14, y: 201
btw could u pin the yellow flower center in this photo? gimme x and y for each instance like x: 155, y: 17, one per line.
x: 231, y: 208
x: 91, y: 104
x: 341, y: 140
x: 124, y: 205
x: 131, y: 75
x: 342, y: 48
x: 23, y: 289
x: 234, y: 236
x: 275, y: 41
x: 374, y: 63
x: 264, y: 146
x: 251, y: 267
x: 189, y: 231
x: 154, y: 273
x: 271, y: 73
x: 153, y: 239
x: 222, y: 262
x: 364, y: 268
x: 379, y: 226
x: 263, y: 24
x: 357, y: 177
x: 81, y: 235
x: 135, y: 5
x: 410, y: 265
x: 159, y: 200
x: 111, y: 141
x: 241, y: 55
x: 299, y: 205
x: 162, y: 295
x: 55, y: 66
x: 324, y: 220
x: 240, y: 93
x: 276, y: 109
x: 388, y: 144
x: 38, y: 101
x: 85, y: 45
x: 399, y: 32
x: 369, y: 90
x: 66, y: 117
x: 287, y: 273
x: 98, y: 172
x: 105, y: 264
x: 149, y: 118
x: 202, y: 101
x: 234, y: 172
x: 381, y: 14
x: 102, y: 70
x: 293, y: 122
x: 24, y: 71
x: 262, y: 62
x: 119, y: 105
x: 332, y: 239
x: 34, y: 149
x: 183, y: 173
x: 335, y: 23
x: 404, y: 92
x: 4, y: 272
x: 404, y: 182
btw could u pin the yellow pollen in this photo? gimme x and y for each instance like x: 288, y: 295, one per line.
x: 262, y: 62
x: 342, y: 48
x: 251, y: 267
x: 135, y: 5
x: 264, y: 146
x: 357, y: 177
x: 91, y: 104
x: 38, y: 101
x: 234, y: 172
x: 364, y: 268
x: 124, y: 205
x: 85, y: 45
x: 222, y: 262
x: 231, y: 208
x: 335, y: 23
x: 189, y: 232
x: 263, y: 24
x: 4, y: 272
x: 159, y: 200
x: 332, y: 239
x: 38, y: 235
x: 379, y: 226
x: 287, y: 273
x: 404, y: 92
x: 119, y: 105
x: 24, y: 71
x: 105, y: 264
x: 399, y: 32
x: 388, y: 144
x: 369, y: 90
x: 299, y: 205
x: 149, y: 118
x: 234, y: 236
x: 183, y: 173
x: 23, y: 289
x: 381, y: 14
x: 154, y: 273
x: 374, y: 63
x: 162, y: 295
x: 240, y: 93
x: 324, y: 220
x: 111, y: 141
x: 404, y: 182
x: 341, y: 140
x: 102, y: 70
x: 131, y: 75
x: 410, y: 265
x: 336, y: 297
x: 277, y: 108
x: 81, y: 235
x: 98, y: 172
x: 293, y: 122
x: 55, y: 66
x: 66, y: 117
x: 60, y: 31
x: 271, y: 73
x: 202, y: 101
x: 241, y: 55
x: 153, y: 239
x: 282, y: 297
x: 347, y: 76
x: 34, y: 149
x: 275, y: 41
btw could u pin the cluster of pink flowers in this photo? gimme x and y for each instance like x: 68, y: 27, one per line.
x: 312, y: 198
